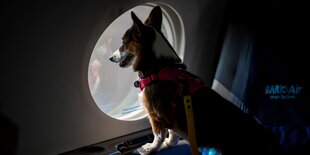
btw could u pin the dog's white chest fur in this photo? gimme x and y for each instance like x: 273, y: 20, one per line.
x: 141, y: 96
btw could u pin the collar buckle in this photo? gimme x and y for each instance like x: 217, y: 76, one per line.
x: 137, y: 84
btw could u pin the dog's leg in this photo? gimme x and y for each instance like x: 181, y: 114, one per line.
x: 159, y: 133
x: 172, y: 139
x: 157, y: 142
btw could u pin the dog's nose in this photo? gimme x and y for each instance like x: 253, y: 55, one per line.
x: 116, y: 56
x: 111, y: 59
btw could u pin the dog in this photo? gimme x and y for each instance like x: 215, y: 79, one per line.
x: 164, y: 81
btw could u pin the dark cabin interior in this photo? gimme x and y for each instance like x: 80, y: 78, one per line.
x: 259, y: 53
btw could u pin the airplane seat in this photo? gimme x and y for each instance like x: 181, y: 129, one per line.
x: 262, y: 70
x: 277, y: 88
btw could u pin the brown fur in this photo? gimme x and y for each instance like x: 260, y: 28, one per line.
x: 159, y: 96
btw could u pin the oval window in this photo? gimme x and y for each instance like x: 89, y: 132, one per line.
x: 111, y: 86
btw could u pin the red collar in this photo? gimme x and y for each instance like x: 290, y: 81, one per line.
x: 172, y: 73
x: 147, y: 80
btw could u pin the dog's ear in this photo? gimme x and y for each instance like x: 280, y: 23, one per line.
x: 136, y: 21
x: 155, y: 18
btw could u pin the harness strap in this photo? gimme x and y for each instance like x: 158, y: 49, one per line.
x: 190, y: 124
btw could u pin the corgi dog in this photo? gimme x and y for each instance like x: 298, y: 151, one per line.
x: 164, y: 81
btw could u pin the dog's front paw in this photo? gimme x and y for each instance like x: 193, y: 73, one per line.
x: 169, y: 142
x: 150, y: 147
x: 145, y: 149
x: 172, y: 140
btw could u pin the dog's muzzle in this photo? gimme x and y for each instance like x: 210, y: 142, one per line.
x: 117, y: 56
x: 123, y: 58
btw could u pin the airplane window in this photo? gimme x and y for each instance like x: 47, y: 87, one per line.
x: 111, y: 86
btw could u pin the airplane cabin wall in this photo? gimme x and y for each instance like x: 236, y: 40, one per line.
x: 48, y: 45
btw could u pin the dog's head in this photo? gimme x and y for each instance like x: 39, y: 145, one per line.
x: 144, y: 47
